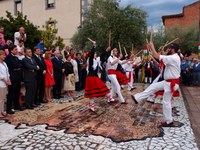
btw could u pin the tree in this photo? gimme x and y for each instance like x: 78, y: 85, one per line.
x: 159, y: 37
x: 12, y: 24
x: 188, y: 37
x: 49, y: 33
x: 127, y: 26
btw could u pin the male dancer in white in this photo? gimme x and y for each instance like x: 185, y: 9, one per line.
x: 112, y: 66
x: 128, y: 67
x: 169, y: 84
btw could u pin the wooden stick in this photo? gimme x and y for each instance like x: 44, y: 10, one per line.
x: 151, y: 35
x: 166, y: 42
x: 138, y: 52
x: 120, y: 48
x: 109, y: 39
x: 170, y: 42
x: 90, y: 40
x: 147, y: 41
x: 125, y: 51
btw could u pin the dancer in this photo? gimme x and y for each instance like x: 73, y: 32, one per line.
x: 128, y: 67
x: 148, y: 71
x: 169, y: 84
x: 94, y: 86
x: 112, y: 64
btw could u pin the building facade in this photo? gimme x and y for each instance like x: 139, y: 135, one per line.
x: 67, y: 13
x: 189, y: 16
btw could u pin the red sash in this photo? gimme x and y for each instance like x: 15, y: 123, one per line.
x: 173, y: 82
x: 111, y: 71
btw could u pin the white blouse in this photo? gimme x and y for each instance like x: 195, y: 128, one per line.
x: 4, y: 74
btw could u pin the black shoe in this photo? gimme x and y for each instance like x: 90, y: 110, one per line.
x: 133, y: 97
x: 56, y: 97
x: 165, y: 124
x: 133, y: 88
x: 150, y: 102
x: 20, y: 108
x: 29, y: 107
x: 33, y: 105
x: 43, y: 101
x: 61, y: 96
x: 37, y: 104
x: 10, y: 112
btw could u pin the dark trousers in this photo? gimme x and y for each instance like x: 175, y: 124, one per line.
x: 13, y: 96
x: 83, y: 80
x: 39, y: 96
x: 58, y: 85
x: 30, y: 93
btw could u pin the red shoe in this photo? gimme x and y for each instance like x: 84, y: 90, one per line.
x: 91, y: 107
x: 4, y: 114
x: 124, y: 103
x: 113, y: 101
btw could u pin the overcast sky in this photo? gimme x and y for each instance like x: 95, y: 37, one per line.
x: 158, y: 8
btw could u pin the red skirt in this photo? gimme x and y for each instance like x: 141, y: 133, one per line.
x: 122, y: 78
x: 95, y: 87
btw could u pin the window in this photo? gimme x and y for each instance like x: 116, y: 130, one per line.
x: 50, y: 4
x: 17, y: 6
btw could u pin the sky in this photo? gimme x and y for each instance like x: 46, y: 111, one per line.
x: 158, y: 8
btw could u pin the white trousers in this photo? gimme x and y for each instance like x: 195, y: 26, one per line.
x: 130, y: 84
x: 158, y: 86
x: 115, y: 87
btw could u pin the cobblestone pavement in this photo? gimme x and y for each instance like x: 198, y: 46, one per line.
x: 38, y: 138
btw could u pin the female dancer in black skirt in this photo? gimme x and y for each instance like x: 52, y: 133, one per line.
x: 95, y: 87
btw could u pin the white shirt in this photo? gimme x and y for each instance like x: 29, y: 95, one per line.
x: 128, y: 66
x: 75, y: 68
x: 19, y: 55
x: 111, y: 59
x: 95, y: 64
x: 4, y: 74
x: 16, y: 35
x: 172, y: 66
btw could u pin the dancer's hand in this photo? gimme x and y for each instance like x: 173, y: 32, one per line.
x: 120, y: 56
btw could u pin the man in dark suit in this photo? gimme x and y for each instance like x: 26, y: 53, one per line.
x: 39, y: 98
x: 30, y: 76
x: 58, y: 72
x: 15, y: 69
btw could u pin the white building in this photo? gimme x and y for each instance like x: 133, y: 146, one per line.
x: 68, y: 13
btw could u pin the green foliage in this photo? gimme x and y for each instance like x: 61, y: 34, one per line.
x: 49, y: 33
x: 127, y: 26
x: 12, y: 24
x: 188, y: 37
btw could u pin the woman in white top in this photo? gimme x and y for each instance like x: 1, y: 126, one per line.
x: 4, y: 82
x: 75, y: 67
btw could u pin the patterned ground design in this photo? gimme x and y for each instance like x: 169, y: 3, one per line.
x: 116, y: 121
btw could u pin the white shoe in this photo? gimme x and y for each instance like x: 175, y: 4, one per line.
x: 91, y: 107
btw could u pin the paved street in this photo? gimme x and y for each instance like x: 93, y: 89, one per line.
x: 38, y: 138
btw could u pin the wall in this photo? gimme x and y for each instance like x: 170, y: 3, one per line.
x: 190, y: 16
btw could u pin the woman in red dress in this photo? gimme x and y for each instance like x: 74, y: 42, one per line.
x: 49, y: 78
